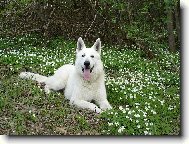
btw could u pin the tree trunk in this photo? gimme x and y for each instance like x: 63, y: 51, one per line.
x: 177, y: 21
x: 171, y: 38
x: 129, y: 13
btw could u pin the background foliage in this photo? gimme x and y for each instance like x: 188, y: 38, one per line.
x: 150, y: 25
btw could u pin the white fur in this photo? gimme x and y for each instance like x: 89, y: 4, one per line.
x: 79, y: 91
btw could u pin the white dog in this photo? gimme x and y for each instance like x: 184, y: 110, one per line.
x: 83, y: 81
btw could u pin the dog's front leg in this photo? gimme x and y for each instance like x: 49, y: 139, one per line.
x: 47, y: 89
x: 104, y: 104
x: 85, y: 104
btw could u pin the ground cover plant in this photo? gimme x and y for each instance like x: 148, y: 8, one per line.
x: 145, y: 94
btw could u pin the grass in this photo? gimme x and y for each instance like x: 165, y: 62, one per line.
x: 145, y: 94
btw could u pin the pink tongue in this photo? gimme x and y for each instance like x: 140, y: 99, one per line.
x: 86, y: 74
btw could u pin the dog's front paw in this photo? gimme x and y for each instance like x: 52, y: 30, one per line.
x: 106, y: 106
x: 109, y: 107
x: 97, y: 110
x: 47, y: 90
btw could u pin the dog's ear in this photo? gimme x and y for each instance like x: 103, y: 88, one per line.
x: 80, y: 44
x: 97, y: 45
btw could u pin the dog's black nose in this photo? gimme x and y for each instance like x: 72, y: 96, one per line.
x: 86, y: 63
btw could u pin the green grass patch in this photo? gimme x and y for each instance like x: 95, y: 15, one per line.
x: 145, y: 94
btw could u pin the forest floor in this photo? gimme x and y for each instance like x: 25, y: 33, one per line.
x: 145, y: 94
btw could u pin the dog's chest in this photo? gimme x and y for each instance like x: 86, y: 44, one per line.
x: 89, y: 90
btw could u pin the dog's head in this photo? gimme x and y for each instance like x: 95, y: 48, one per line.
x: 88, y: 62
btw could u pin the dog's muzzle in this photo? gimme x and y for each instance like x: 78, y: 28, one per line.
x: 91, y: 69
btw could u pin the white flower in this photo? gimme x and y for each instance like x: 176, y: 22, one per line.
x: 145, y: 132
x: 126, y: 81
x: 146, y: 108
x: 121, y: 129
x: 134, y: 89
x: 124, y: 111
x: 153, y: 112
x: 116, y: 123
x: 110, y: 124
x: 138, y: 126
x: 137, y: 115
x: 127, y: 109
x: 131, y: 96
x: 120, y: 107
x: 137, y: 104
x: 170, y: 107
x: 162, y: 102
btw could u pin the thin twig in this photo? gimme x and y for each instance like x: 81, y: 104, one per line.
x: 91, y: 23
x: 47, y: 25
x: 90, y: 26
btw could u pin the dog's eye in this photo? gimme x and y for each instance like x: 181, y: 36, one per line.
x: 83, y: 55
x: 92, y: 56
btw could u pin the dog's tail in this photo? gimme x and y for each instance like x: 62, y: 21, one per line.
x: 37, y: 77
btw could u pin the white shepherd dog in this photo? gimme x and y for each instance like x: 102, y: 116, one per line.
x: 83, y: 82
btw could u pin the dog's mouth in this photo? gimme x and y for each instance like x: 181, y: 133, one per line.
x: 87, y: 72
x: 91, y: 69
